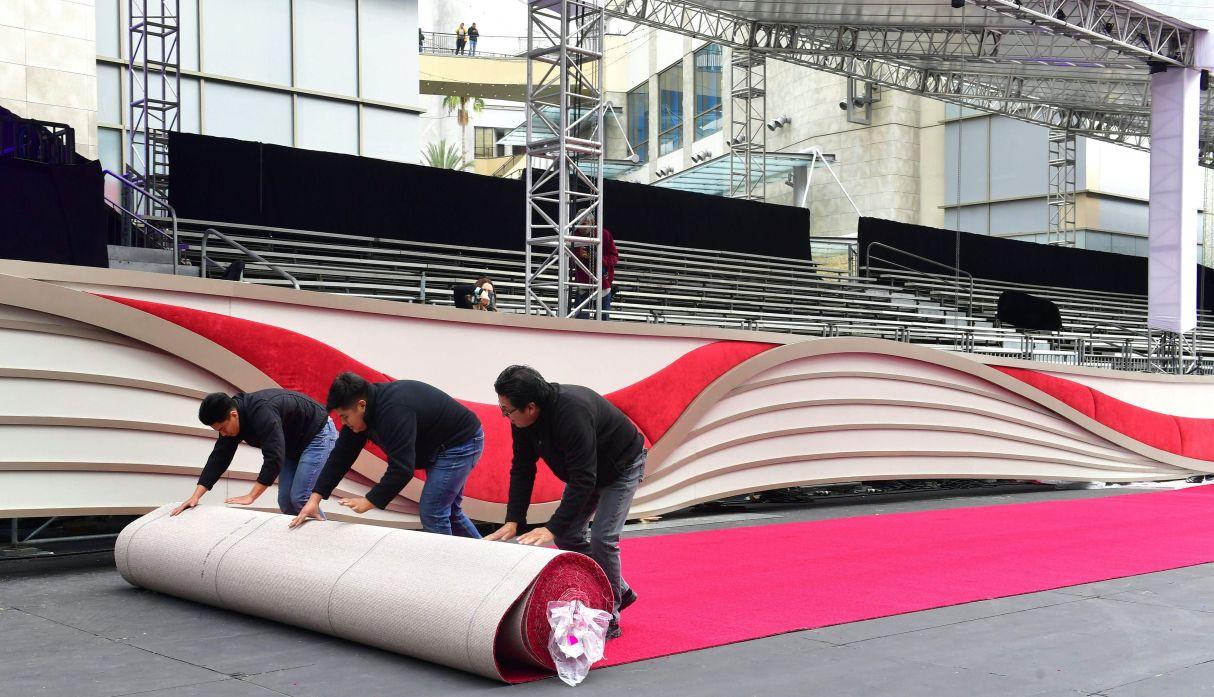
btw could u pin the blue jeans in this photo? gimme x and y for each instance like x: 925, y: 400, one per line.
x: 296, y: 480
x: 443, y: 493
x: 585, y: 313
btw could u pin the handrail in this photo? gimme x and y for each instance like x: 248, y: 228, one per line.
x: 868, y: 255
x: 147, y: 223
x: 206, y: 234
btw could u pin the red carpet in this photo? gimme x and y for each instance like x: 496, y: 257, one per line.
x: 705, y: 589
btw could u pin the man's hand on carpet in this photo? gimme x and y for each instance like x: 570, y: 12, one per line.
x: 504, y: 533
x: 358, y: 505
x: 537, y: 537
x: 187, y: 504
x: 311, y: 510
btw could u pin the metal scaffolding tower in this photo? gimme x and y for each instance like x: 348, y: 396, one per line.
x: 1060, y: 194
x: 154, y: 72
x: 747, y: 118
x: 564, y: 175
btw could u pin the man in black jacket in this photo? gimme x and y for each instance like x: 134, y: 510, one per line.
x: 591, y: 446
x: 293, y: 431
x: 418, y: 427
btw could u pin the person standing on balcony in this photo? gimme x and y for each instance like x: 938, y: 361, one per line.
x: 473, y: 35
x: 293, y: 431
x: 461, y: 37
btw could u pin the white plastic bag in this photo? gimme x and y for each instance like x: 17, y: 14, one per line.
x: 578, y: 636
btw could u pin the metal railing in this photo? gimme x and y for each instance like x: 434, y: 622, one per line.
x: 487, y: 46
x: 39, y: 141
x: 205, y: 262
x: 128, y: 208
x: 957, y: 272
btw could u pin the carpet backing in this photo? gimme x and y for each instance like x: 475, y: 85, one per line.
x: 472, y: 605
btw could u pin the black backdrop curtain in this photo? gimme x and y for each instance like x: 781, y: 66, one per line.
x: 256, y: 184
x: 52, y: 213
x: 1015, y: 261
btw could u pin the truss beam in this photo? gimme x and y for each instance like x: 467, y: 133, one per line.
x: 1113, y: 108
x: 747, y: 118
x: 154, y: 77
x: 1060, y: 191
x: 564, y: 203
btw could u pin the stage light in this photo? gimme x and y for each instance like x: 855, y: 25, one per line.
x: 778, y: 123
x: 634, y: 158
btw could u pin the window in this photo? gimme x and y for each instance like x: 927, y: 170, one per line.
x: 638, y: 120
x: 486, y: 143
x: 708, y: 90
x: 670, y: 105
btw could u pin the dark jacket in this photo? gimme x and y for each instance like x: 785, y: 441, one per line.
x: 411, y: 421
x: 611, y: 257
x: 587, y: 443
x: 280, y: 422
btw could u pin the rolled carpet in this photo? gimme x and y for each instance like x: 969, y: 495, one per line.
x: 476, y: 606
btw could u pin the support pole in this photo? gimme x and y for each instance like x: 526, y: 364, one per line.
x: 748, y: 118
x: 564, y: 173
x: 1174, y: 199
x: 154, y: 76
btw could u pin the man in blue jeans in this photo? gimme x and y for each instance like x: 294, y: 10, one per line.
x: 418, y: 426
x: 293, y: 431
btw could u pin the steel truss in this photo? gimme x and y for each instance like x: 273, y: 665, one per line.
x: 1060, y: 192
x: 1169, y: 352
x: 154, y: 77
x: 1092, y: 79
x: 564, y: 202
x: 747, y: 118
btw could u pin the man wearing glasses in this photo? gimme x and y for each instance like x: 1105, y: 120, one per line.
x: 418, y: 426
x: 590, y: 445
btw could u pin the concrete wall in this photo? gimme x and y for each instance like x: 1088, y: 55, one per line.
x: 48, y: 68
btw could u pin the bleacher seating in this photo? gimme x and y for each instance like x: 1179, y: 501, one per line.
x: 719, y: 289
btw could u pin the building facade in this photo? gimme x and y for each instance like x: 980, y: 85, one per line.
x: 331, y: 75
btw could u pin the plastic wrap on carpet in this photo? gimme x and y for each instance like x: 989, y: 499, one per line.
x: 472, y: 605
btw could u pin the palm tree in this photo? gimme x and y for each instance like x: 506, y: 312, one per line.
x: 444, y: 156
x: 459, y: 106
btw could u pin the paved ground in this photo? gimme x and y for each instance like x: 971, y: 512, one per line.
x: 73, y: 627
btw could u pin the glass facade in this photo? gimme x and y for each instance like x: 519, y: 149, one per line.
x: 638, y: 120
x: 329, y: 75
x: 670, y: 109
x: 708, y: 110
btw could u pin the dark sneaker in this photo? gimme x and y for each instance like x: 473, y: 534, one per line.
x: 628, y: 599
x: 613, y: 630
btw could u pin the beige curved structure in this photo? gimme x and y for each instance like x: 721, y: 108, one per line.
x: 101, y: 372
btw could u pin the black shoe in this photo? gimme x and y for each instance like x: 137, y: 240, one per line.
x: 627, y: 600
x: 613, y: 630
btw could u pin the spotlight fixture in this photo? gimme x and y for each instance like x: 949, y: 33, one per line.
x: 702, y: 156
x: 634, y: 158
x: 778, y: 123
x: 664, y: 172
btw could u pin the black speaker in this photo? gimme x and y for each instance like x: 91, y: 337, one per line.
x: 1025, y: 311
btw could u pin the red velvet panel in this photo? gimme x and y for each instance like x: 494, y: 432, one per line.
x: 1174, y: 434
x: 1078, y: 397
x: 656, y: 402
x: 301, y: 363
